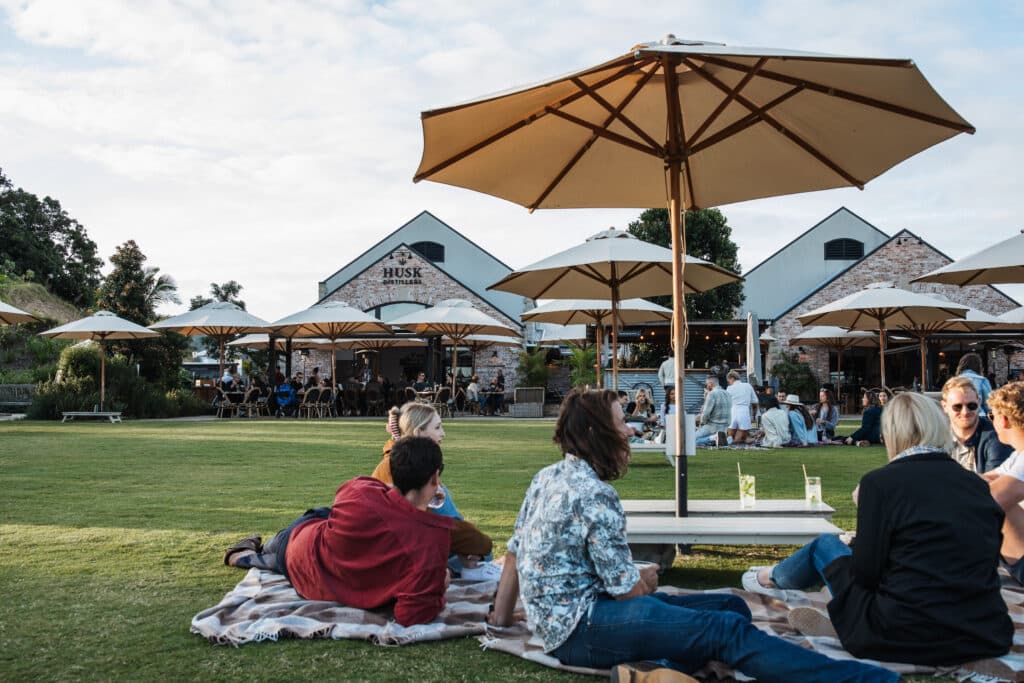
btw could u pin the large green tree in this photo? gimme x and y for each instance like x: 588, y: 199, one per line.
x: 41, y: 243
x: 708, y: 236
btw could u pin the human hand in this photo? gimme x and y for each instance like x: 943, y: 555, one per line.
x: 856, y: 495
x: 447, y: 578
x: 649, y: 575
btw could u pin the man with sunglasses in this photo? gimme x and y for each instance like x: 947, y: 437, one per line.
x: 976, y: 446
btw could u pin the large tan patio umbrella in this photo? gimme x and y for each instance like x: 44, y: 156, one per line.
x: 835, y: 338
x: 220, y: 320
x: 101, y: 326
x: 613, y: 265
x: 881, y: 306
x: 367, y: 344
x: 1002, y: 263
x: 600, y: 313
x: 262, y: 341
x: 1011, y: 320
x: 455, y: 319
x: 553, y: 335
x: 691, y: 124
x: 331, y: 320
x: 9, y: 315
x: 969, y: 322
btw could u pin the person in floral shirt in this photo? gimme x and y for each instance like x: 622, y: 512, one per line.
x: 592, y: 606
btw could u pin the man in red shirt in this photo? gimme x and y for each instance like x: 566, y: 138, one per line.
x: 376, y: 546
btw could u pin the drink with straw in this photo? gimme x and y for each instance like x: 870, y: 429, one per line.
x: 812, y: 490
x: 748, y: 496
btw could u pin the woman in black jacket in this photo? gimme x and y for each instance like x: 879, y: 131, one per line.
x: 919, y: 584
x: 870, y: 431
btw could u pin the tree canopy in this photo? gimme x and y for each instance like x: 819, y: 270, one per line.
x: 708, y: 236
x: 40, y: 242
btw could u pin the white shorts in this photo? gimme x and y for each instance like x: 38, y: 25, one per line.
x: 740, y: 418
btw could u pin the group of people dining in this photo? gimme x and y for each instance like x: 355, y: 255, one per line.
x: 918, y: 584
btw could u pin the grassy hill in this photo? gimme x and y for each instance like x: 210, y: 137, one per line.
x: 35, y: 299
x: 24, y: 357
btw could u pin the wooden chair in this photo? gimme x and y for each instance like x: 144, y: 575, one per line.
x: 410, y: 395
x: 225, y: 404
x: 440, y: 403
x: 309, y: 402
x: 326, y: 406
x: 350, y: 397
x: 374, y: 398
x: 250, y: 402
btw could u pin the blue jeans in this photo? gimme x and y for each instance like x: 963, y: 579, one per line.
x: 805, y: 567
x: 685, y: 632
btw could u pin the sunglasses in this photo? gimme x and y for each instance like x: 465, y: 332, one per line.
x: 971, y: 407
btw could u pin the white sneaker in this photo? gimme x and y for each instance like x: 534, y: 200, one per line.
x: 752, y: 585
x: 484, y: 571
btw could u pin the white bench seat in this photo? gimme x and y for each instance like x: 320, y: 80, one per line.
x: 788, y: 507
x: 727, y: 530
x: 70, y: 415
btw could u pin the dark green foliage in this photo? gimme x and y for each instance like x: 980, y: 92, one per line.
x: 581, y: 363
x: 708, y: 236
x: 41, y: 243
x: 796, y: 377
x: 534, y: 367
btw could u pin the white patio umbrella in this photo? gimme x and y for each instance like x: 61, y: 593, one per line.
x: 220, y: 320
x: 691, y: 124
x: 754, y: 374
x: 973, y: 320
x: 262, y: 341
x: 331, y: 320
x: 101, y: 327
x: 551, y: 334
x: 1002, y: 263
x: 600, y: 313
x: 9, y: 315
x: 1011, y: 320
x: 613, y: 265
x: 881, y: 306
x: 456, y: 319
x: 835, y: 338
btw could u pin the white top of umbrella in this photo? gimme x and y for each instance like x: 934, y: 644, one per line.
x: 829, y: 335
x: 102, y: 325
x: 215, y: 319
x: 550, y: 333
x: 1002, y: 263
x: 611, y: 256
x: 331, y: 320
x: 455, y: 318
x: 10, y: 315
x: 262, y: 341
x: 1010, y: 320
x: 484, y: 340
x: 881, y: 304
x: 590, y: 311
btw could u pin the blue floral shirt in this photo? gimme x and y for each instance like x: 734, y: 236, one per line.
x: 570, y: 547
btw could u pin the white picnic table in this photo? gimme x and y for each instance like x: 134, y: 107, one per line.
x: 727, y: 529
x: 775, y: 507
x: 112, y: 415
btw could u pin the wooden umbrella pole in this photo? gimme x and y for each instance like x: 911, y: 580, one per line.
x: 220, y: 358
x: 103, y: 372
x: 881, y: 355
x: 334, y: 362
x: 924, y: 360
x: 598, y: 329
x: 678, y: 305
x: 455, y: 364
x: 615, y: 329
x: 839, y: 374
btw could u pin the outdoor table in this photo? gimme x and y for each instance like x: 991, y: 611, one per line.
x: 493, y: 401
x: 425, y: 396
x: 778, y: 507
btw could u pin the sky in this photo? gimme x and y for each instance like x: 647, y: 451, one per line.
x: 271, y: 142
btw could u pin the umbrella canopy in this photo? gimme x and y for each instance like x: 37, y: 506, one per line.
x: 101, y: 326
x: 600, y: 313
x: 753, y: 351
x: 1010, y: 320
x: 612, y: 264
x: 1002, y: 263
x: 835, y: 338
x: 551, y: 334
x: 690, y: 124
x: 220, y: 320
x: 456, y: 319
x: 331, y: 320
x: 969, y: 322
x: 262, y: 341
x: 9, y: 315
x: 882, y: 306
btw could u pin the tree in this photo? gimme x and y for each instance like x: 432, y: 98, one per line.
x: 40, y: 243
x: 582, y: 365
x: 708, y: 236
x: 228, y: 292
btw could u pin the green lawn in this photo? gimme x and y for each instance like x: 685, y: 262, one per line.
x: 111, y: 537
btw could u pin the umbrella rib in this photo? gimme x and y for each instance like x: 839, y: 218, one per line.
x: 589, y: 143
x: 853, y: 97
x: 543, y: 290
x: 527, y: 120
x: 616, y: 112
x: 607, y: 134
x: 744, y: 123
x: 730, y: 96
x: 779, y: 127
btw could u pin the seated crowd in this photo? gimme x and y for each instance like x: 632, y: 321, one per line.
x: 918, y: 584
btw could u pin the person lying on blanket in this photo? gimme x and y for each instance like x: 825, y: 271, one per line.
x: 920, y: 584
x: 350, y: 554
x: 471, y: 548
x: 592, y: 606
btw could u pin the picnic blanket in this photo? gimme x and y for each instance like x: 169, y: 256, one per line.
x: 264, y: 606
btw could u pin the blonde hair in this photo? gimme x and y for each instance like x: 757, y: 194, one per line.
x: 414, y: 416
x: 911, y: 419
x: 959, y: 382
x: 1008, y: 400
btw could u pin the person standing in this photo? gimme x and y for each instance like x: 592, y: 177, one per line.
x: 976, y: 447
x: 743, y: 399
x: 667, y: 371
x: 970, y: 367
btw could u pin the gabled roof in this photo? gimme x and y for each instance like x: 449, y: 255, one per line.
x: 465, y: 261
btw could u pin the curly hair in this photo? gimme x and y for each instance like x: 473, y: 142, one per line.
x: 586, y: 428
x: 1008, y: 400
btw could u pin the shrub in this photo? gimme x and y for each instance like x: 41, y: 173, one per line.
x: 533, y: 366
x: 54, y: 397
x: 796, y: 377
x: 581, y: 364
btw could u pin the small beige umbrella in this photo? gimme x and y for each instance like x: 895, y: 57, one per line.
x: 834, y: 338
x: 600, y: 313
x: 1002, y: 263
x: 220, y: 320
x: 881, y: 306
x: 101, y: 326
x: 9, y: 315
x: 969, y: 322
x: 456, y: 319
x: 331, y: 320
x: 614, y: 265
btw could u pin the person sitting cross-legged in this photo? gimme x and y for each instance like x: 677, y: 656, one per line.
x: 920, y: 583
x: 1006, y: 409
x: 775, y: 423
x: 870, y: 431
x: 716, y: 414
x: 347, y: 553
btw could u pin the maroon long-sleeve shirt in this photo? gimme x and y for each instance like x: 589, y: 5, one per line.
x: 374, y: 549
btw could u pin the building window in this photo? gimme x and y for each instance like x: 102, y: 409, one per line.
x: 844, y: 249
x: 432, y: 251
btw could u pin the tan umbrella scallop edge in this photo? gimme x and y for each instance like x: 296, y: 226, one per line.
x: 9, y: 315
x: 220, y: 320
x: 1002, y: 263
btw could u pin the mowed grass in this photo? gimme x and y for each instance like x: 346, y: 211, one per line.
x: 112, y: 536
